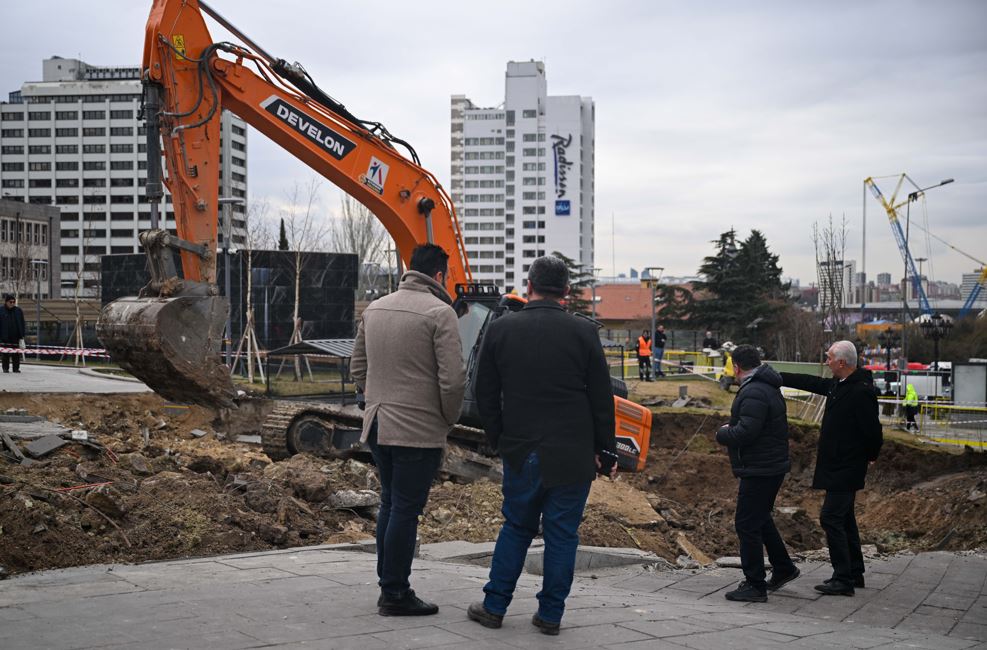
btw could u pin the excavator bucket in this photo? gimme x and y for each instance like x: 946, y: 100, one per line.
x: 172, y: 345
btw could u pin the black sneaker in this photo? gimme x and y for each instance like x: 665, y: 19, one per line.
x: 835, y: 587
x: 748, y: 593
x: 408, y: 605
x: 858, y: 581
x: 477, y: 612
x: 551, y: 629
x: 776, y: 582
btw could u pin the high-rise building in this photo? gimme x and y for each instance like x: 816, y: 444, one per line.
x: 523, y: 177
x: 75, y: 140
x: 970, y: 280
x: 836, y: 283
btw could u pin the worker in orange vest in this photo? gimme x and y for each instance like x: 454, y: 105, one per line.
x: 644, y: 355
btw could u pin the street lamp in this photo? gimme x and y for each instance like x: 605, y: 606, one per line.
x: 935, y: 328
x: 38, y: 265
x: 913, y: 196
x: 653, y: 281
x: 225, y: 202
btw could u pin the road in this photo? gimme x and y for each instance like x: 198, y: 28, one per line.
x: 64, y: 379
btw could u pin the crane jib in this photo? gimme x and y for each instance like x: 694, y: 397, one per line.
x: 336, y: 145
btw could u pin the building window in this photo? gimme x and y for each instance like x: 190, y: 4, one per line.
x: 529, y: 113
x: 39, y: 182
x: 94, y: 131
x: 66, y: 148
x: 121, y: 115
x: 66, y: 182
x: 66, y: 115
x: 94, y: 182
x: 94, y: 115
x: 39, y: 167
x: 43, y: 149
x: 121, y: 148
x: 94, y: 165
x: 121, y: 130
x: 94, y: 148
x: 66, y: 133
x: 39, y: 115
x: 121, y: 164
x: 39, y: 133
x: 12, y: 150
x: 12, y: 133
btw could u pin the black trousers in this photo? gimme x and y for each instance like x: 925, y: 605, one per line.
x: 910, y: 412
x: 406, y: 475
x: 757, y: 532
x: 842, y: 536
x: 644, y: 366
x: 8, y: 358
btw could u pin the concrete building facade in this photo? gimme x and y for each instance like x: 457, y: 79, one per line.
x: 523, y: 177
x: 29, y: 241
x: 76, y: 140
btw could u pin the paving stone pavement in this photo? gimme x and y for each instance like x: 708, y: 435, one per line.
x: 324, y: 597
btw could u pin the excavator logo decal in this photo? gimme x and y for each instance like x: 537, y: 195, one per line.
x: 376, y: 175
x: 336, y: 145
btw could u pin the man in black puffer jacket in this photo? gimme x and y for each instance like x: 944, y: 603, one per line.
x: 849, y: 439
x: 757, y: 441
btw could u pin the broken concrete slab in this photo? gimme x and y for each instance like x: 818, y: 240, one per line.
x: 345, y: 499
x: 44, y: 446
x: 21, y: 419
x: 197, y: 433
x: 692, y: 550
x: 470, y: 466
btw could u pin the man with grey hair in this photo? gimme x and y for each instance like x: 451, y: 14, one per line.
x: 544, y: 394
x: 849, y: 439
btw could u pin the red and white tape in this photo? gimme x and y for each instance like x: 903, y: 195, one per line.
x: 56, y: 352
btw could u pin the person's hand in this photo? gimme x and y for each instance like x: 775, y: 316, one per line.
x: 599, y: 467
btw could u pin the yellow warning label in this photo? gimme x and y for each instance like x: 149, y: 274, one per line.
x: 178, y: 40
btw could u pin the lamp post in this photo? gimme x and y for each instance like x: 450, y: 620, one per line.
x: 38, y: 265
x: 912, y: 197
x: 653, y: 281
x: 225, y: 202
x: 935, y: 328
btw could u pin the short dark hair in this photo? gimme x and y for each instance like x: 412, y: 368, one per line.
x: 746, y: 357
x: 549, y: 276
x: 429, y: 259
x: 8, y: 296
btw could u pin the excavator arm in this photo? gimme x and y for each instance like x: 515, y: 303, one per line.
x: 169, y: 336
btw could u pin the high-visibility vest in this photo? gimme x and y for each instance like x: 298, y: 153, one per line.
x: 911, y: 397
x: 643, y: 347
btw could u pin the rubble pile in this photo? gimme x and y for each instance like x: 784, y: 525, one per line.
x: 130, y: 478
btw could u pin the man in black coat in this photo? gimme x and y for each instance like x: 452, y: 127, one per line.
x: 658, y: 350
x: 544, y: 395
x: 757, y: 442
x: 850, y: 438
x: 12, y: 330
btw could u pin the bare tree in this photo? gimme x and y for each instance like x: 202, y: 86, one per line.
x: 259, y: 234
x: 357, y: 230
x: 306, y: 232
x: 831, y: 267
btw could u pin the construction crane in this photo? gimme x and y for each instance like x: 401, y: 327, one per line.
x: 981, y: 281
x: 891, y: 207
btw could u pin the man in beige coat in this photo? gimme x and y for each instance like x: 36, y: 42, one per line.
x: 408, y: 360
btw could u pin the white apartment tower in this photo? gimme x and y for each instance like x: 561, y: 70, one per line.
x: 74, y: 140
x: 522, y: 177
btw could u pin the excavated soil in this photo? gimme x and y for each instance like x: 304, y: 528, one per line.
x: 157, y: 492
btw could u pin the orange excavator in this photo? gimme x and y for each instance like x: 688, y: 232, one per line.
x: 169, y: 336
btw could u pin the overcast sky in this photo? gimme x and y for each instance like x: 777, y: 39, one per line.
x: 709, y: 115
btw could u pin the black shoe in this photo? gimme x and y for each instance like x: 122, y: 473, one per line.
x: 777, y: 582
x: 551, y: 629
x: 477, y: 612
x: 834, y: 587
x: 747, y: 593
x: 409, y: 605
x: 858, y: 581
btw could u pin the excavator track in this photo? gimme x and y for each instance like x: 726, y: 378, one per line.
x: 277, y: 424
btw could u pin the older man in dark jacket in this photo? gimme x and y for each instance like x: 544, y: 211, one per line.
x: 849, y: 439
x: 12, y: 330
x: 757, y: 442
x: 545, y: 398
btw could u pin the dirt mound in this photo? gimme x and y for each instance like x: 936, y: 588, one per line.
x: 159, y: 491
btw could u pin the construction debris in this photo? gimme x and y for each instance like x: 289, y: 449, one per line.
x: 692, y: 550
x: 44, y: 446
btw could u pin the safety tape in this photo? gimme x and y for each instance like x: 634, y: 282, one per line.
x: 56, y: 352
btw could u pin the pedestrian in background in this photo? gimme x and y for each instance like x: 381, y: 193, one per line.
x: 757, y: 442
x: 911, y: 407
x: 644, y: 356
x: 544, y: 394
x: 12, y: 332
x: 659, y: 350
x: 727, y: 377
x: 849, y: 439
x: 408, y: 360
x: 710, y: 342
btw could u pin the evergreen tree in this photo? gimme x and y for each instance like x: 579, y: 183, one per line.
x: 282, y: 238
x: 740, y: 285
x: 580, y: 286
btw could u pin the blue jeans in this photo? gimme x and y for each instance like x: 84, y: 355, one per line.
x: 406, y: 475
x: 560, y: 509
x: 658, y: 354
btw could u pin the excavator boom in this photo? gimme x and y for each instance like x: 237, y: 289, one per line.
x: 169, y: 336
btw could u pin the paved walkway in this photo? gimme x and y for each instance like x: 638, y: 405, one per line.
x: 319, y: 597
x: 64, y: 379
